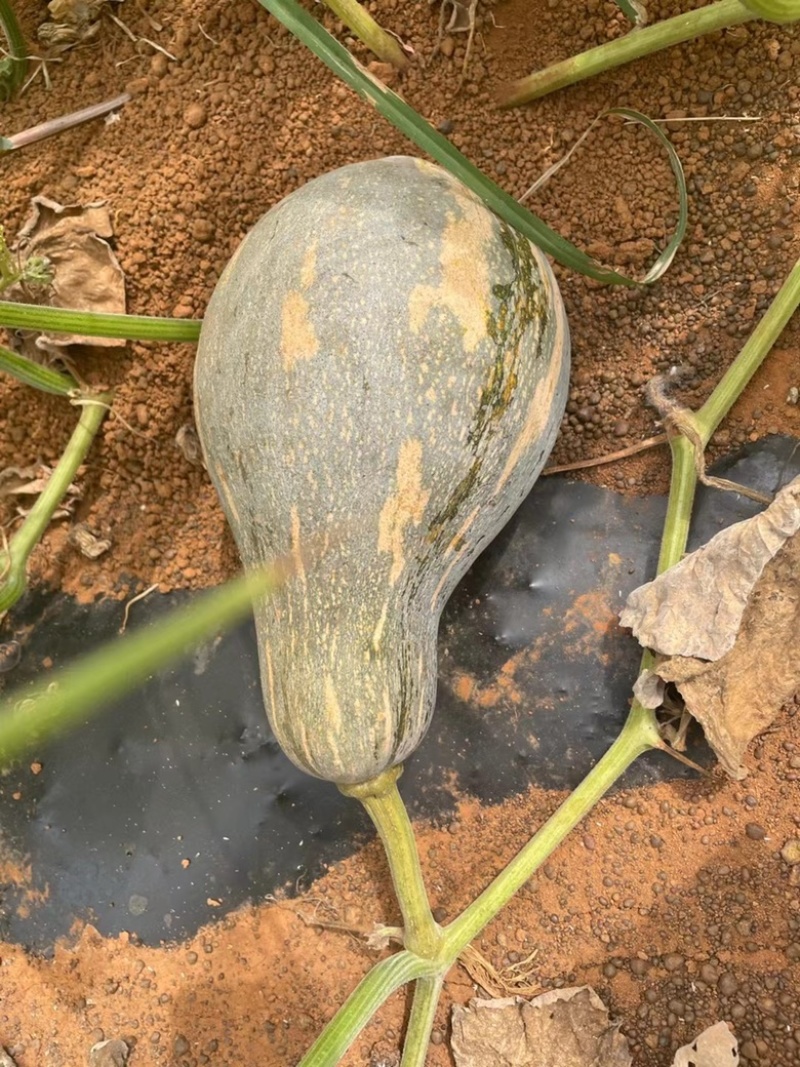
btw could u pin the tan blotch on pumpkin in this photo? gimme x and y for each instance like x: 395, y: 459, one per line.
x: 406, y: 505
x: 465, y: 276
x: 298, y: 336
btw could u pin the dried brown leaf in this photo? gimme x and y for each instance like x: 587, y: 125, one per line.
x: 87, y: 543
x: 189, y: 443
x: 695, y: 608
x: 31, y: 481
x: 649, y: 689
x: 86, y: 273
x: 561, y: 1028
x: 71, y: 22
x: 737, y: 697
x: 715, y: 1047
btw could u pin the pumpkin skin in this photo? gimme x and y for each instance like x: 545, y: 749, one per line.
x: 381, y: 374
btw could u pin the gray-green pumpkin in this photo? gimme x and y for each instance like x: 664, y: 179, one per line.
x: 381, y: 374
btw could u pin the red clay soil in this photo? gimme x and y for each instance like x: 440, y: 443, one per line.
x: 673, y: 901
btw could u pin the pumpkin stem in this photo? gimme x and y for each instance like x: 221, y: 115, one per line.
x: 381, y: 798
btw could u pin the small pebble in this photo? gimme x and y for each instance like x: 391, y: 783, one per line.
x: 708, y: 973
x: 755, y: 832
x: 202, y: 230
x: 108, y: 1054
x: 195, y: 116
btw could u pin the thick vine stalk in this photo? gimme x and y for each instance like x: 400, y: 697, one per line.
x: 634, y: 45
x: 358, y: 19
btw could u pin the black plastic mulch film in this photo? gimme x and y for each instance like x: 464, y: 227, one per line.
x: 186, y: 768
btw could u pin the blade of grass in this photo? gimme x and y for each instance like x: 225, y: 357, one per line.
x: 364, y: 26
x: 95, y: 324
x: 15, y: 65
x: 401, y: 115
x: 44, y: 378
x: 668, y: 254
x: 72, y: 694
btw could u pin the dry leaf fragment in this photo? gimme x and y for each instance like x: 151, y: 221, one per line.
x: 649, y: 689
x: 695, y: 608
x: 189, y: 443
x: 71, y: 22
x: 89, y: 544
x: 737, y: 697
x: 561, y: 1028
x: 86, y: 273
x: 32, y: 481
x: 715, y: 1047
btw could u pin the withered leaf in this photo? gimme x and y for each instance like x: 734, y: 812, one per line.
x: 86, y: 273
x: 695, y: 608
x: 715, y: 1047
x: 561, y: 1028
x: 738, y: 696
x: 649, y: 689
x: 88, y: 543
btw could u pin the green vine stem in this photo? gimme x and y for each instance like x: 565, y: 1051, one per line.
x: 385, y: 807
x: 364, y: 26
x: 779, y: 11
x: 639, y: 734
x: 40, y: 377
x: 95, y: 324
x: 370, y: 994
x: 733, y: 382
x: 634, y: 45
x: 14, y: 558
x: 15, y: 65
x: 751, y: 356
x: 420, y: 1023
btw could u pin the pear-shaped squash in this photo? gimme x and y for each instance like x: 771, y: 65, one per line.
x: 382, y: 370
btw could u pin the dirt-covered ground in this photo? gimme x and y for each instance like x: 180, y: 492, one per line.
x: 674, y: 901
